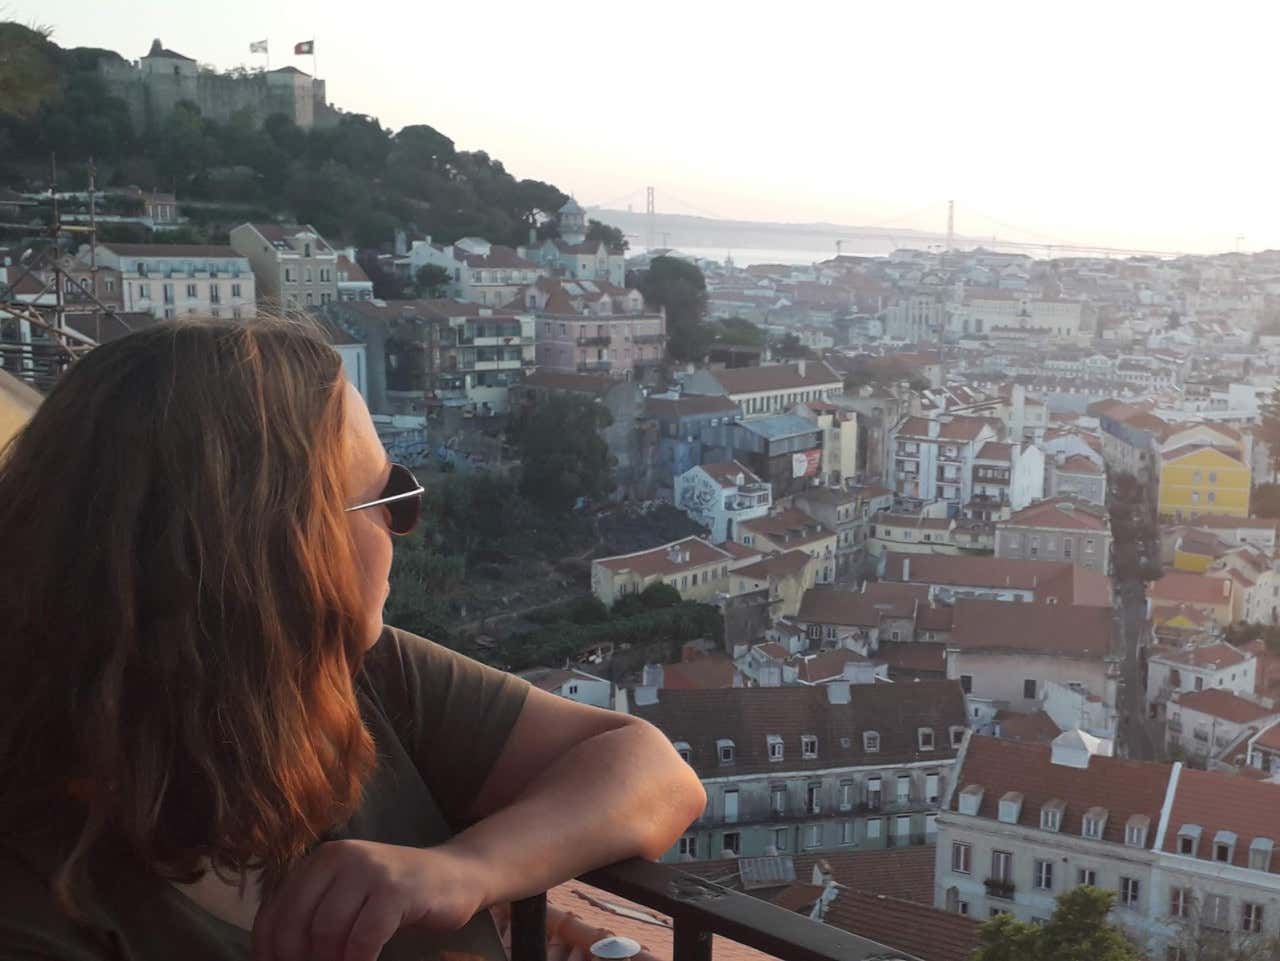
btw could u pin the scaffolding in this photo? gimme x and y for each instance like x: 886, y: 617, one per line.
x: 40, y: 294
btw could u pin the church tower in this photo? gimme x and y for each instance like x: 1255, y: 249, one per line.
x: 573, y: 223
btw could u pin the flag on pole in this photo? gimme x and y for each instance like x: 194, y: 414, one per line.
x: 258, y: 46
x: 307, y: 46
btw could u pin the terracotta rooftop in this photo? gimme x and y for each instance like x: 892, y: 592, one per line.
x: 201, y: 251
x: 1212, y: 656
x: 814, y: 668
x: 776, y: 565
x: 1214, y: 802
x: 1225, y: 522
x: 752, y: 380
x: 914, y: 521
x: 1187, y: 449
x: 1078, y: 464
x: 994, y: 450
x: 1182, y: 587
x: 349, y: 271
x: 790, y: 526
x: 725, y: 474
x: 1053, y: 629
x: 1221, y: 703
x: 688, y: 405
x: 574, y: 383
x: 706, y: 673
x: 1065, y: 583
x: 928, y: 933
x: 1122, y: 787
x: 1061, y: 513
x: 865, y: 608
x: 1163, y: 613
x: 910, y: 657
x: 1035, y: 728
x: 746, y: 716
x: 667, y: 559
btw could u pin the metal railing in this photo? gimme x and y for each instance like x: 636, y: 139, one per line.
x: 600, y: 340
x: 1002, y: 888
x: 700, y: 909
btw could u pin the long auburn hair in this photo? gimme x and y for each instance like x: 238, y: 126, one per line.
x: 180, y: 613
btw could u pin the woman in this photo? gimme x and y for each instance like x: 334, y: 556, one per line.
x: 210, y: 745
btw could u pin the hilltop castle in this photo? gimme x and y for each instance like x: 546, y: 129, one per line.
x: 159, y: 81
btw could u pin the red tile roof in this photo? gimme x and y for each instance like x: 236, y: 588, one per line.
x: 1182, y: 587
x: 788, y: 526
x: 1217, y: 702
x: 575, y: 383
x: 1055, y: 629
x: 748, y: 715
x: 738, y: 551
x: 659, y: 560
x: 725, y: 474
x: 706, y: 673
x: 776, y: 565
x: 928, y: 933
x: 349, y: 271
x: 994, y: 450
x: 1036, y: 728
x: 1218, y: 801
x: 813, y: 668
x: 688, y: 405
x: 1123, y: 787
x: 1187, y: 449
x: 751, y: 380
x: 865, y: 608
x: 201, y: 251
x: 912, y: 657
x: 1078, y: 464
x: 1063, y: 582
x: 1213, y: 656
x: 1225, y: 522
x: 1061, y: 513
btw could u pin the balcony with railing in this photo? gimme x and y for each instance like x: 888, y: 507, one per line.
x: 594, y: 366
x: 599, y: 340
x: 700, y: 909
x: 1002, y: 888
x: 649, y: 339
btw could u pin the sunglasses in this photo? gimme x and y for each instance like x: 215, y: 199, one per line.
x: 402, y: 497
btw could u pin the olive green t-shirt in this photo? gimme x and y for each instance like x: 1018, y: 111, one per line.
x: 439, y: 721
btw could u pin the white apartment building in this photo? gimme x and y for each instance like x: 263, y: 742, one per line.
x: 1219, y: 666
x: 179, y: 280
x: 1205, y: 724
x: 1189, y: 854
x: 721, y: 496
x: 933, y: 459
x: 294, y: 266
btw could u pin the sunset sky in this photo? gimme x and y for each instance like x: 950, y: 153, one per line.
x: 1132, y: 124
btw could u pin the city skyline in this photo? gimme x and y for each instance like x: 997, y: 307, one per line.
x: 1089, y: 130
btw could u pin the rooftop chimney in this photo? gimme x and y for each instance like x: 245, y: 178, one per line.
x: 838, y: 692
x: 906, y: 569
x: 1074, y: 748
x: 801, y: 365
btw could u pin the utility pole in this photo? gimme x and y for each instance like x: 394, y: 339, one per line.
x: 951, y: 225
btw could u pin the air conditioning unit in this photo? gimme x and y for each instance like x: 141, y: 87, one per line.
x: 846, y: 806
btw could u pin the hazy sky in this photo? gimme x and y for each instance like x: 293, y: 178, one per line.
x: 1143, y: 124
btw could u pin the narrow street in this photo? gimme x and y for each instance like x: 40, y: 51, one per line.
x: 1137, y: 737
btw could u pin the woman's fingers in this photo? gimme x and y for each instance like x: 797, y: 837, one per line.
x: 333, y: 920
x: 378, y: 920
x: 281, y: 931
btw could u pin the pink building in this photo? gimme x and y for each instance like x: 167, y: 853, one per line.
x: 594, y: 327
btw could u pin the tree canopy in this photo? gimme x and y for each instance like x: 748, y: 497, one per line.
x: 355, y: 181
x: 1078, y: 931
x: 563, y: 457
x: 680, y: 288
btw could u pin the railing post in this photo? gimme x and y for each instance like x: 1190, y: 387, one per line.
x: 529, y: 929
x: 690, y: 942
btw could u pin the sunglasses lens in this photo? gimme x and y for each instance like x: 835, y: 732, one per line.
x: 404, y: 513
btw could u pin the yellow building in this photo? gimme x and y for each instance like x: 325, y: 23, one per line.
x: 1198, y: 479
x: 698, y: 570
x: 17, y: 403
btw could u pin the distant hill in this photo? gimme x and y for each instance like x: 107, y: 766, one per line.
x: 354, y: 181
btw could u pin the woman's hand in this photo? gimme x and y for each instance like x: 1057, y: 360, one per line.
x: 346, y: 899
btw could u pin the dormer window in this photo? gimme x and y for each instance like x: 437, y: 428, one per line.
x: 924, y: 736
x: 871, y: 742
x: 809, y: 746
x: 1095, y: 822
x: 1135, y: 831
x: 1260, y: 854
x: 724, y: 750
x: 685, y: 752
x: 775, y: 747
x: 1051, y: 815
x: 1224, y: 846
x: 971, y: 799
x: 1010, y: 807
x: 1189, y: 839
x: 957, y: 735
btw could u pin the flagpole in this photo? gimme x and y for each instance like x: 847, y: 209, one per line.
x: 315, y: 71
